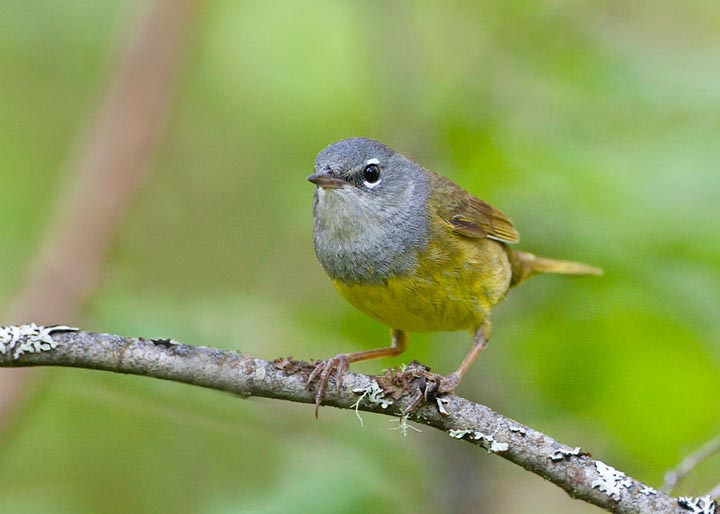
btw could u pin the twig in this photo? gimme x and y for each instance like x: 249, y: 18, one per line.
x: 714, y: 492
x: 285, y: 379
x: 110, y: 159
x: 690, y: 462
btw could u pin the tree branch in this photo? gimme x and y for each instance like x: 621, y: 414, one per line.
x: 285, y: 379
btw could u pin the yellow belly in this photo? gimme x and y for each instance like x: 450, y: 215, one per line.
x: 453, y: 288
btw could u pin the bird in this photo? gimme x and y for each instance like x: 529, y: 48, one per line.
x: 412, y: 250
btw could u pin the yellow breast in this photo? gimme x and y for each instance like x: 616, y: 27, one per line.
x: 452, y: 288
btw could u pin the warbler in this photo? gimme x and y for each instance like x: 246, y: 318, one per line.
x: 412, y: 250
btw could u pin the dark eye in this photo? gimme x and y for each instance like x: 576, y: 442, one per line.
x: 371, y: 173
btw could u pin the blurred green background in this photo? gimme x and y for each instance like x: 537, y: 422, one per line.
x: 594, y: 125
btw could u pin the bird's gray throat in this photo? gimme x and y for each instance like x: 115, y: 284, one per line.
x: 359, y: 239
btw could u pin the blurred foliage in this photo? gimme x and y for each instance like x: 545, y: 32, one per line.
x: 595, y: 125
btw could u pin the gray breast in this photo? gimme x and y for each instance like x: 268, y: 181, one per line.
x: 359, y: 239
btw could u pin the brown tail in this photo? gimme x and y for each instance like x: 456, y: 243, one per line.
x: 525, y: 265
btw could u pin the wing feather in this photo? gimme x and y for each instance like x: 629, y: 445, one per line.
x: 470, y: 216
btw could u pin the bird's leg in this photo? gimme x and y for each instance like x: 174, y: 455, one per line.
x: 480, y: 342
x: 432, y: 385
x: 342, y: 361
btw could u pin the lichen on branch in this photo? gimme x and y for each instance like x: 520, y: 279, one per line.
x: 567, y: 467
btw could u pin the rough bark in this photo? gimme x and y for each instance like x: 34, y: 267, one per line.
x: 285, y: 379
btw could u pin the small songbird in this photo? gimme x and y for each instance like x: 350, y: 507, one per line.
x: 412, y: 250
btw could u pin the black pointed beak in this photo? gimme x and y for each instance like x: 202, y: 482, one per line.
x: 327, y: 181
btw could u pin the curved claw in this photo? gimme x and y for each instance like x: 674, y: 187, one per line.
x: 448, y: 384
x: 431, y: 386
x: 340, y: 363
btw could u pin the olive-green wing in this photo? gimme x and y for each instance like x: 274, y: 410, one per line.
x: 470, y: 216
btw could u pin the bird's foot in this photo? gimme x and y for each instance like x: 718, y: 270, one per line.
x: 424, y: 386
x: 447, y: 384
x: 340, y: 363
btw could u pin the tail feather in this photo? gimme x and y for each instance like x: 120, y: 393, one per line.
x: 524, y: 265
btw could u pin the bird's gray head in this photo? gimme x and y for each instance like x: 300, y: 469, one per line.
x: 370, y: 211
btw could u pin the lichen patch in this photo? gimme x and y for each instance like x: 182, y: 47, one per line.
x: 31, y: 338
x: 611, y: 481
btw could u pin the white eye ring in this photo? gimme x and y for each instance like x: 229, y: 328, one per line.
x: 371, y: 185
